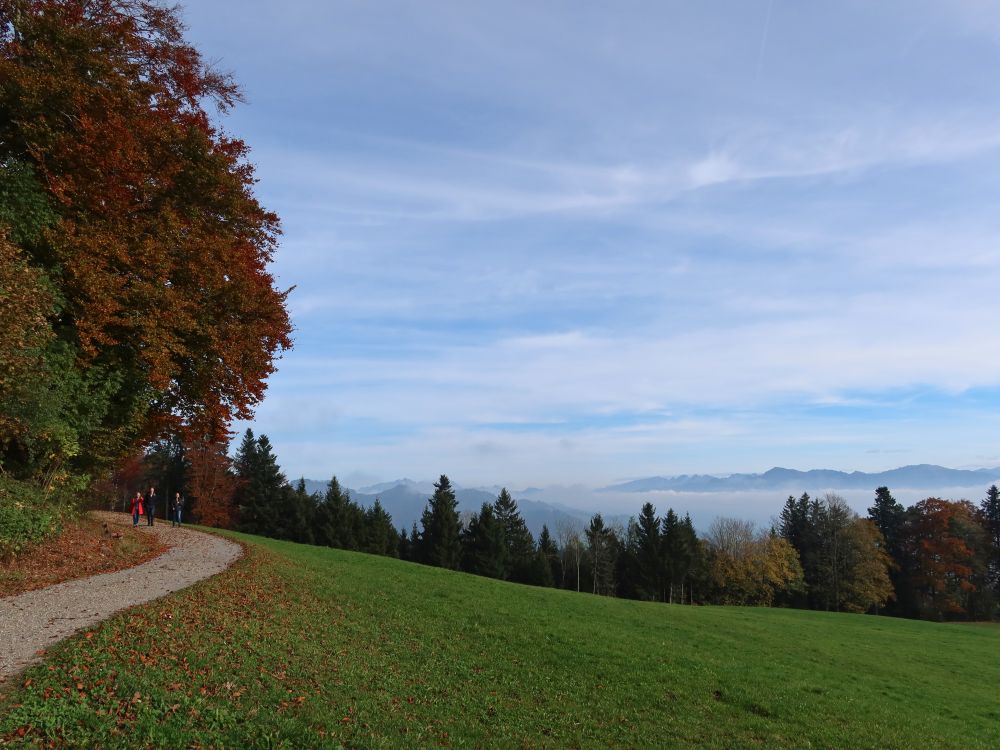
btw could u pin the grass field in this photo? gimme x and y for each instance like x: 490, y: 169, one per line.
x: 304, y: 647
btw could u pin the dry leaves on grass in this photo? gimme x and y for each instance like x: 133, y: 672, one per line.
x: 79, y: 552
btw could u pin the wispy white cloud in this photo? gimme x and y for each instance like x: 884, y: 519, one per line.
x: 541, y: 243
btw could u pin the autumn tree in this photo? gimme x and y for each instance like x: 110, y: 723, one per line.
x: 139, y: 213
x: 211, y: 483
x: 867, y: 584
x: 749, y: 567
x: 25, y: 303
x: 946, y: 543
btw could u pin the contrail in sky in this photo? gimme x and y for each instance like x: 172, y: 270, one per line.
x: 763, y: 42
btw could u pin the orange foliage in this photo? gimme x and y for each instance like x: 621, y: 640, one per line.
x: 212, y: 483
x: 161, y: 249
x: 943, y: 537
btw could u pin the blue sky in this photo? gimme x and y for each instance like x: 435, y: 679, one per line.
x: 571, y: 243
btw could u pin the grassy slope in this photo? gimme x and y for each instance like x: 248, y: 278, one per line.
x: 305, y: 647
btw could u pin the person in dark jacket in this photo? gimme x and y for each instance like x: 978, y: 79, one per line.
x: 176, y: 507
x: 151, y: 506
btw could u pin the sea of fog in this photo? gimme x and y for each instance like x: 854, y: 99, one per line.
x: 762, y: 507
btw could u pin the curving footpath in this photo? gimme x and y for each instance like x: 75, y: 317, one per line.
x: 35, y: 620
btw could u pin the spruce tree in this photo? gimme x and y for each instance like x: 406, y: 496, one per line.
x: 416, y: 545
x: 687, y: 564
x: 627, y: 572
x: 262, y: 499
x: 548, y: 548
x: 520, y: 547
x: 603, y: 548
x: 405, y: 549
x: 889, y: 517
x: 341, y: 521
x: 541, y: 570
x: 990, y: 512
x: 246, y: 456
x: 649, y: 554
x: 300, y: 520
x: 673, y: 549
x: 380, y: 534
x: 484, y: 544
x: 441, y: 545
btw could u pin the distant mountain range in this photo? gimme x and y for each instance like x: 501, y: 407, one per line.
x: 405, y: 500
x: 921, y: 476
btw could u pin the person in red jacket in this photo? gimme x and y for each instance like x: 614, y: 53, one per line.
x: 136, y: 508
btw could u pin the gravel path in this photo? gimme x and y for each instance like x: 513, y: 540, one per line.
x: 36, y: 620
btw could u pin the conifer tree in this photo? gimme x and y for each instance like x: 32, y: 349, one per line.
x: 687, y: 563
x: 990, y: 511
x: 672, y: 549
x: 484, y: 544
x: 628, y: 575
x: 541, y: 570
x: 441, y: 545
x: 548, y: 548
x: 298, y: 515
x: 797, y: 524
x: 380, y: 534
x: 261, y: 498
x: 890, y: 518
x: 602, y: 545
x: 649, y: 554
x: 520, y: 547
x: 330, y: 515
x: 415, y: 545
x: 404, y: 547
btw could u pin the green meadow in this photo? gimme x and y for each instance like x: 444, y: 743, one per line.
x: 299, y: 646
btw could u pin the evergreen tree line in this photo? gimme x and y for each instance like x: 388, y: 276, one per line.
x: 266, y: 504
x: 937, y: 559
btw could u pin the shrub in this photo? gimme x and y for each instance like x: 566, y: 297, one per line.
x: 26, y: 517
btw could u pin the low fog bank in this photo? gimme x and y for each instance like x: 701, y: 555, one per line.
x: 761, y: 507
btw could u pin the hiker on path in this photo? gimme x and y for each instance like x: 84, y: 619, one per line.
x: 178, y: 506
x: 136, y: 508
x: 151, y: 506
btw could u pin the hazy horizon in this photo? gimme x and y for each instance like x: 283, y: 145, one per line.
x: 760, y: 506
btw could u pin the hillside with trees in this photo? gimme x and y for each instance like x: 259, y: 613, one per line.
x: 937, y: 559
